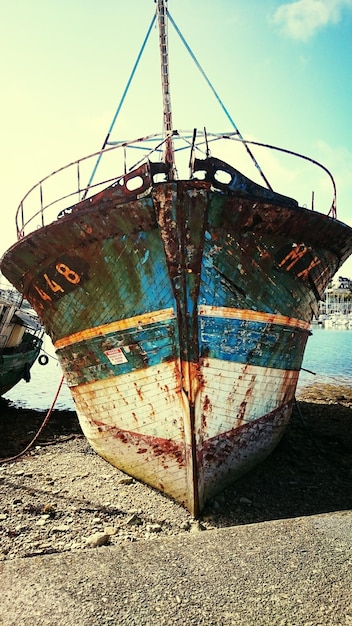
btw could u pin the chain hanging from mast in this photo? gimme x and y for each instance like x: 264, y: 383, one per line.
x: 161, y: 12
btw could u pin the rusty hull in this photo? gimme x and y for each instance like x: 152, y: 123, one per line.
x: 180, y: 319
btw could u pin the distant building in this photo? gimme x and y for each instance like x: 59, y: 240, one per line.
x: 337, y: 304
x: 342, y: 283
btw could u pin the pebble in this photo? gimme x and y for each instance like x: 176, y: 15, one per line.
x: 153, y: 528
x: 60, y: 529
x: 98, y: 539
x: 197, y: 526
x: 134, y: 520
x: 244, y: 500
x: 126, y: 480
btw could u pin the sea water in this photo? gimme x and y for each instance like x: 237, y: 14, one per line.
x: 40, y: 392
x: 327, y: 359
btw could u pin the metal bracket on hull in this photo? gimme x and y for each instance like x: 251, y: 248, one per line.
x: 216, y: 169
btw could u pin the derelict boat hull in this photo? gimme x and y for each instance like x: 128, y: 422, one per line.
x: 180, y: 314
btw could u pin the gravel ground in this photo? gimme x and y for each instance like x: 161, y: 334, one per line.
x: 61, y: 497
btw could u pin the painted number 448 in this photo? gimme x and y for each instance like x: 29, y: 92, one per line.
x: 70, y: 276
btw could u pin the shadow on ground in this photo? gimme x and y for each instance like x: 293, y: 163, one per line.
x: 310, y: 472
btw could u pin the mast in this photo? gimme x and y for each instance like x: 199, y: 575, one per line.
x: 161, y: 12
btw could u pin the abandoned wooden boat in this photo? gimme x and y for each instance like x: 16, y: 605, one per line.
x: 20, y: 339
x: 179, y: 307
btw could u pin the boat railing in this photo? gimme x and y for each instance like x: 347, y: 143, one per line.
x: 54, y: 195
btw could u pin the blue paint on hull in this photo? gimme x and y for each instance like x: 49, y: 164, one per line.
x: 254, y: 343
x: 237, y: 341
x: 183, y: 248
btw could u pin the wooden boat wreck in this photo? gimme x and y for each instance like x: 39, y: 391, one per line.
x: 20, y: 339
x: 179, y: 308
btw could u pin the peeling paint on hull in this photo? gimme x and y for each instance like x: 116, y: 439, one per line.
x: 180, y: 319
x: 149, y: 432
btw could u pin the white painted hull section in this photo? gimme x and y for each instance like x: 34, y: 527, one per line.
x: 144, y: 423
x: 237, y: 394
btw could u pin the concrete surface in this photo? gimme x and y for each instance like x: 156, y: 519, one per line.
x: 284, y: 573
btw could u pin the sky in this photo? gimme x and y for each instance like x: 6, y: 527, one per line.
x: 283, y: 70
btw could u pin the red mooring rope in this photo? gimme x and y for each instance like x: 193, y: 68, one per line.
x: 45, y: 421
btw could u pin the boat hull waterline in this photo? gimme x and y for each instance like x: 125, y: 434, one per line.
x: 20, y: 339
x: 15, y: 365
x: 180, y: 317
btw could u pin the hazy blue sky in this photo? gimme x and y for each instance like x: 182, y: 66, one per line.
x: 282, y: 69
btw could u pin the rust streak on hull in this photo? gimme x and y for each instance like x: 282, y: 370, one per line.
x: 180, y: 316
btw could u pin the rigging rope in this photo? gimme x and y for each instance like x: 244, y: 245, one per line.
x: 219, y: 100
x: 183, y: 40
x: 106, y: 140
